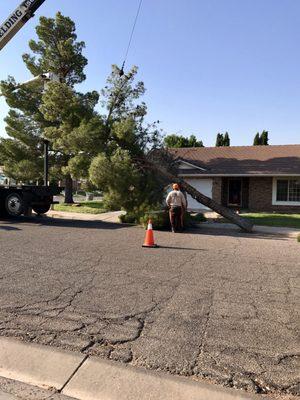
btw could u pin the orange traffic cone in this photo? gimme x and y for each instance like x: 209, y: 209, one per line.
x: 149, y: 239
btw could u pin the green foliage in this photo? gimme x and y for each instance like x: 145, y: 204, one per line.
x: 57, y: 50
x: 160, y: 218
x: 59, y: 113
x: 219, y: 140
x: 226, y: 140
x: 107, y: 151
x: 73, y: 118
x: 117, y: 175
x: 198, y: 217
x: 222, y: 140
x: 22, y: 171
x: 261, y: 139
x: 125, y: 186
x: 117, y: 169
x: 265, y: 138
x: 298, y: 238
x: 256, y: 141
x: 120, y: 94
x: 178, y: 141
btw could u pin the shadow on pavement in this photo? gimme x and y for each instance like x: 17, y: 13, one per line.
x: 59, y: 223
x: 181, y: 248
x: 9, y: 228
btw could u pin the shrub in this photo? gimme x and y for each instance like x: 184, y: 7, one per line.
x: 196, y: 218
x: 160, y: 218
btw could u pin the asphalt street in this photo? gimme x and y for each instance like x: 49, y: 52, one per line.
x: 222, y: 306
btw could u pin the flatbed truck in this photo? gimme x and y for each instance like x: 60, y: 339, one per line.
x: 16, y: 200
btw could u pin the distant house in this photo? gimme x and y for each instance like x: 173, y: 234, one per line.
x: 3, y: 178
x: 254, y: 178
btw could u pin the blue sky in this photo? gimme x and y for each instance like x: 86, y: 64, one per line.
x: 208, y: 65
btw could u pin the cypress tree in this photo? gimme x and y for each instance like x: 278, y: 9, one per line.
x: 264, y: 138
x: 257, y: 140
x: 219, y: 140
x: 226, y: 141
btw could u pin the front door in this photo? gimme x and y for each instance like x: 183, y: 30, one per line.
x: 235, y: 192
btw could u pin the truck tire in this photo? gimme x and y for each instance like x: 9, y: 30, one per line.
x: 41, y: 209
x: 14, y: 205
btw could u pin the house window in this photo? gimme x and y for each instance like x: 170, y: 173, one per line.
x: 286, y: 191
x: 294, y: 190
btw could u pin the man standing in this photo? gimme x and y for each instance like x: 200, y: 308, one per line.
x: 177, y: 205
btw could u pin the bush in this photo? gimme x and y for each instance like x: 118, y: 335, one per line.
x: 298, y: 238
x: 196, y: 218
x: 160, y: 218
x: 128, y: 218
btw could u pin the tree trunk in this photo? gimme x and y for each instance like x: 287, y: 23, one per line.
x: 69, y: 190
x: 208, y: 202
x: 224, y: 211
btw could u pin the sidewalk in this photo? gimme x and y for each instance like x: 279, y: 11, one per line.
x: 272, y: 230
x: 89, y: 378
x: 113, y: 216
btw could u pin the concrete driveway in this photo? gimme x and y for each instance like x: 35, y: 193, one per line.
x: 208, y: 304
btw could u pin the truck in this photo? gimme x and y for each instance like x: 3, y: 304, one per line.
x: 18, y: 199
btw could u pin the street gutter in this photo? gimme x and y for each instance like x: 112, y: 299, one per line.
x: 90, y: 378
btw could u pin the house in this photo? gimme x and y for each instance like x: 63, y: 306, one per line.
x: 254, y: 178
x: 3, y: 178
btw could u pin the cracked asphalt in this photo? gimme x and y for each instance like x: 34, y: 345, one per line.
x: 208, y: 304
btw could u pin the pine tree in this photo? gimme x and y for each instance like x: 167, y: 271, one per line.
x: 117, y: 168
x: 34, y: 114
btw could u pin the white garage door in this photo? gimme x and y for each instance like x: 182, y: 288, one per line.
x: 204, y: 186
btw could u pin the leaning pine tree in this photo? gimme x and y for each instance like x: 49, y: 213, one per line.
x: 33, y: 113
x: 134, y: 168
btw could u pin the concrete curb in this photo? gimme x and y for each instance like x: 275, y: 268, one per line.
x: 83, y: 378
x: 113, y: 217
x: 37, y: 365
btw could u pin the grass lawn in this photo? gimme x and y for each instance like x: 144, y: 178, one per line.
x: 86, y: 207
x: 283, y: 220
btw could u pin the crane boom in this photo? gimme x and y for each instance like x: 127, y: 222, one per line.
x: 17, y: 19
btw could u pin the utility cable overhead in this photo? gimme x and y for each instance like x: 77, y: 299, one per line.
x: 131, y: 36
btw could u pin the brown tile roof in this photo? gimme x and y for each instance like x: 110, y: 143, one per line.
x: 248, y: 160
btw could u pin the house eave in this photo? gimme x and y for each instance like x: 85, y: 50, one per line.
x: 230, y: 175
x: 190, y: 164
